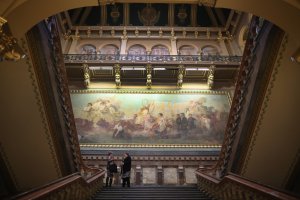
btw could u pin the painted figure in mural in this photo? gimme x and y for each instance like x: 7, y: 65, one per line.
x: 118, y: 130
x: 126, y: 167
x: 111, y: 168
x: 183, y: 125
x: 191, y: 122
x: 161, y: 126
x: 178, y: 122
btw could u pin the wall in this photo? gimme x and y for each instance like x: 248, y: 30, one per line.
x: 153, y: 170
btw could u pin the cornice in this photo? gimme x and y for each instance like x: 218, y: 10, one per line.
x: 152, y: 91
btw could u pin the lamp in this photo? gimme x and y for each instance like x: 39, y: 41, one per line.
x: 296, y: 56
x: 9, y: 48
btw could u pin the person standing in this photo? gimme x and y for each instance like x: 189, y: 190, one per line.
x: 126, y: 170
x: 178, y: 123
x: 110, y: 169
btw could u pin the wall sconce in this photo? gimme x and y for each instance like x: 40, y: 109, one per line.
x: 9, y: 48
x: 296, y: 56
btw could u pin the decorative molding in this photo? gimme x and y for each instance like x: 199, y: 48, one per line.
x: 265, y: 104
x: 39, y: 103
x: 63, y: 93
x: 239, y: 99
x: 153, y: 91
x: 95, y: 145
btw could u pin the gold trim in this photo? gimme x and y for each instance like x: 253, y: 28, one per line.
x: 148, y: 145
x: 153, y: 91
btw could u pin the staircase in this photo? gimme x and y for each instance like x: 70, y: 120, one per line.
x: 152, y: 192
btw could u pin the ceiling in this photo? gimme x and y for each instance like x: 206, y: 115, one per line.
x: 181, y: 14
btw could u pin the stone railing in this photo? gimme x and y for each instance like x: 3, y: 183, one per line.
x: 188, y: 59
x: 71, y: 187
x: 235, y: 187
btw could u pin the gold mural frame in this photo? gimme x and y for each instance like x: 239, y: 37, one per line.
x: 152, y: 91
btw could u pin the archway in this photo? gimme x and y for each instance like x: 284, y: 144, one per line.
x: 283, y: 13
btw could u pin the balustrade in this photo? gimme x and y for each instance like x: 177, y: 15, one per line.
x: 79, y: 58
x: 235, y: 187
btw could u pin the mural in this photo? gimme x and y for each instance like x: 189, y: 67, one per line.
x: 122, y: 118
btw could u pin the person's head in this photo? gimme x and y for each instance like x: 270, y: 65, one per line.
x: 160, y: 114
x: 126, y: 155
x: 109, y: 154
x: 182, y: 114
x: 190, y: 115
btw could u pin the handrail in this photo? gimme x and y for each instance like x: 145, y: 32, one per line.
x: 69, y: 181
x: 151, y: 58
x: 233, y: 186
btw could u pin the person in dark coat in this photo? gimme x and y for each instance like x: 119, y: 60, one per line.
x: 109, y: 170
x: 126, y: 167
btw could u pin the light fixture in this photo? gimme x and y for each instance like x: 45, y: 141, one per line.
x: 133, y: 68
x: 9, y: 48
x: 296, y: 56
x: 197, y: 69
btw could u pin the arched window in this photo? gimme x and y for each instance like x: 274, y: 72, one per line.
x: 88, y: 49
x: 209, y: 51
x: 187, y: 50
x: 137, y: 50
x: 160, y: 50
x: 109, y: 49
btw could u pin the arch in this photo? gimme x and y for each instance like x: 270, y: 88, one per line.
x: 160, y: 50
x: 137, y: 49
x: 188, y: 50
x: 87, y: 49
x: 208, y: 50
x: 109, y: 49
x: 283, y: 13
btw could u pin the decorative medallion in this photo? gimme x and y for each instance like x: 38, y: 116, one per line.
x: 115, y: 14
x: 182, y: 15
x: 149, y: 16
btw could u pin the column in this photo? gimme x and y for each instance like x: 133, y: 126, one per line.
x: 123, y: 46
x: 181, y: 175
x: 160, y: 175
x: 72, y: 48
x: 103, y: 15
x: 138, y: 175
x: 126, y: 14
x: 173, y: 47
x: 171, y: 14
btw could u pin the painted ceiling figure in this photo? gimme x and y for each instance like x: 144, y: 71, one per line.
x: 149, y: 16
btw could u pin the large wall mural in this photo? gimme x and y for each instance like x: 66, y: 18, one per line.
x: 146, y: 118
